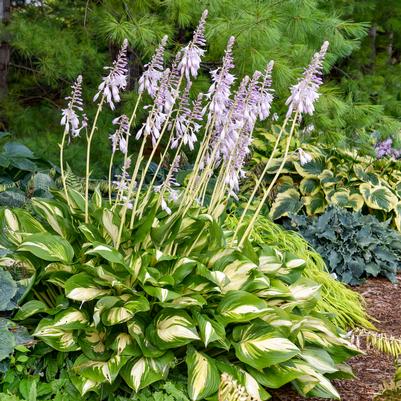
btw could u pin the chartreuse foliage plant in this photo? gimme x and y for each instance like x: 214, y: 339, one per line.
x: 149, y: 280
x: 354, y: 246
x: 335, y: 177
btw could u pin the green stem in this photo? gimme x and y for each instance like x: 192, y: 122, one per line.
x: 267, y: 192
x: 62, y: 168
x: 88, y: 155
x: 110, y: 170
x: 259, y: 181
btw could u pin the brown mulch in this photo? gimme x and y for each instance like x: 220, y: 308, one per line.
x: 373, y: 369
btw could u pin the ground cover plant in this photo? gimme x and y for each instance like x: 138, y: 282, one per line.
x: 148, y: 280
x: 354, y: 246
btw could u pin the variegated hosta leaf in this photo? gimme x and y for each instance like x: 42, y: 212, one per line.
x: 14, y: 224
x: 172, y: 328
x: 316, y: 203
x: 69, y: 319
x: 270, y: 260
x: 136, y: 328
x: 93, y: 344
x: 59, y: 339
x: 162, y: 294
x: 343, y: 198
x: 107, y: 252
x: 110, y: 225
x: 142, y: 372
x: 378, y: 197
x: 116, y: 315
x: 210, y: 329
x: 304, y: 289
x: 237, y: 273
x: 260, y: 346
x: 182, y: 268
x: 30, y: 308
x: 82, y: 384
x: 252, y: 387
x: 365, y: 176
x: 124, y: 344
x: 313, y: 169
x: 287, y: 202
x: 99, y: 371
x: 312, y: 383
x: 81, y: 287
x: 48, y: 247
x: 309, y: 186
x: 319, y: 359
x: 241, y: 306
x: 293, y: 261
x: 203, y: 376
x: 54, y: 217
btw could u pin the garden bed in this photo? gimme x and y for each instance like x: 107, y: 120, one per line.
x: 374, y: 368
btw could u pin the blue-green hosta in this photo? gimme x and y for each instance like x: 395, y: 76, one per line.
x: 174, y: 295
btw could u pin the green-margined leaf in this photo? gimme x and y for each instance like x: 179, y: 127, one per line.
x: 210, y: 329
x: 116, y: 315
x: 124, y: 344
x: 93, y: 344
x: 59, y: 339
x: 378, y: 197
x: 107, y: 252
x: 172, y: 328
x: 99, y: 371
x: 316, y: 203
x: 110, y: 224
x: 260, y: 346
x: 142, y: 372
x: 82, y: 384
x: 81, y: 287
x: 287, y: 202
x: 270, y: 260
x: 319, y: 359
x: 241, y: 306
x: 136, y: 328
x: 48, y: 247
x: 16, y: 223
x: 237, y: 273
x: 30, y: 308
x: 54, y: 216
x: 162, y: 294
x: 203, y: 375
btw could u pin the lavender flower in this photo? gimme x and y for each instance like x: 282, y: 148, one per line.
x: 192, y: 54
x: 186, y: 124
x: 117, y: 78
x: 70, y: 117
x: 149, y: 80
x: 385, y: 148
x: 308, y: 129
x: 304, y: 157
x: 162, y: 106
x: 266, y: 93
x: 305, y: 92
x: 118, y: 139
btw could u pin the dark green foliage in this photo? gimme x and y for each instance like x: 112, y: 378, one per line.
x: 354, y: 246
x: 22, y: 174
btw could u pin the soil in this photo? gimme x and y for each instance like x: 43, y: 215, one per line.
x: 383, y: 301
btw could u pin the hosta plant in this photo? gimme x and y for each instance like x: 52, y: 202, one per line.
x: 149, y: 279
x: 354, y: 246
x: 175, y: 293
x: 334, y: 177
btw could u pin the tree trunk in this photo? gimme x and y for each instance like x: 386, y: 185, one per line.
x: 4, y: 48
